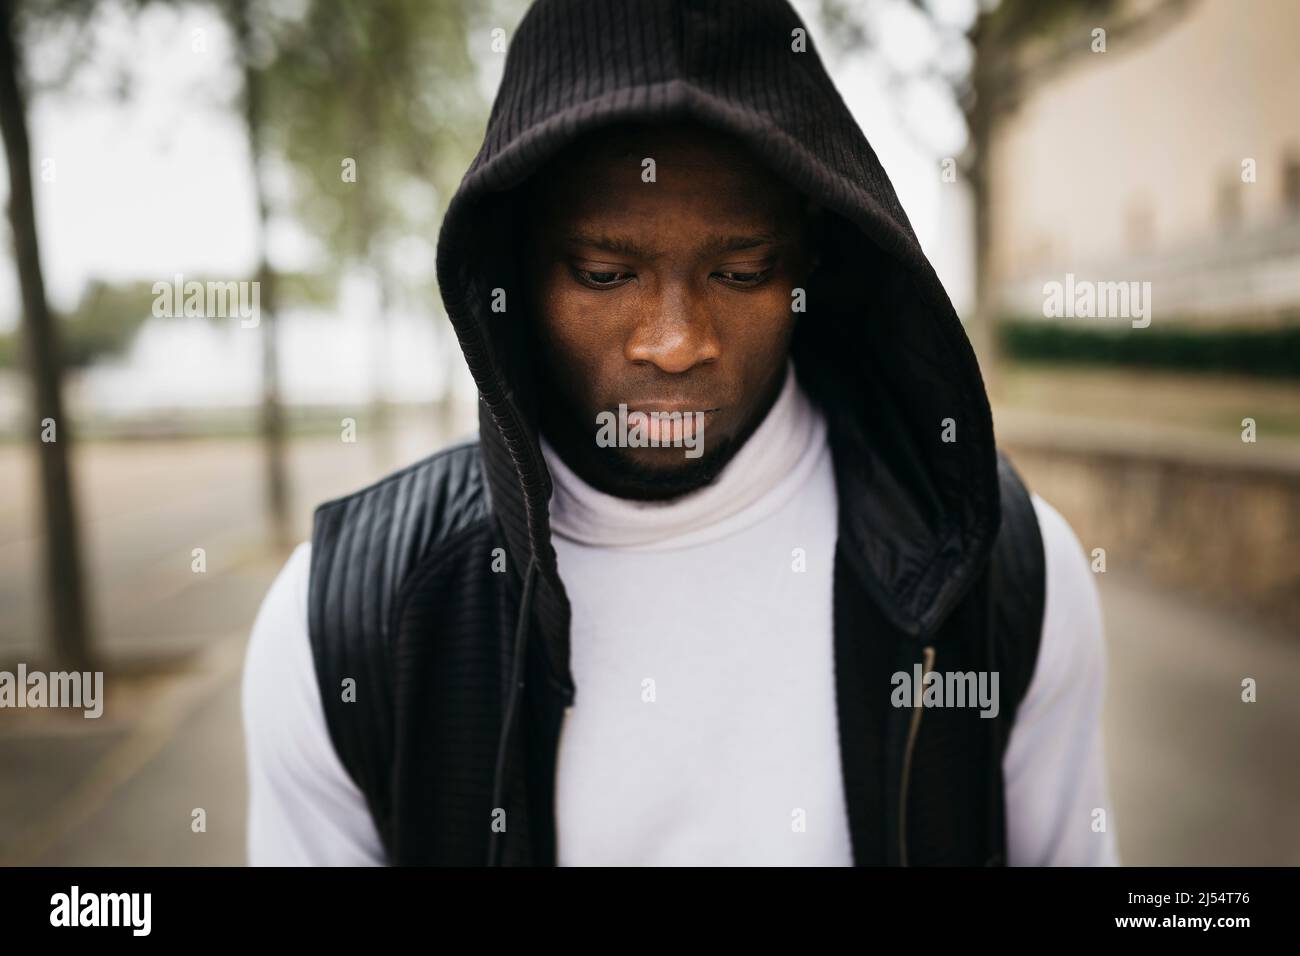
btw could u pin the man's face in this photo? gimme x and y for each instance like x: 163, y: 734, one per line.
x: 664, y: 296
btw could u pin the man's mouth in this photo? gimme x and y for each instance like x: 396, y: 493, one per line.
x: 668, y: 422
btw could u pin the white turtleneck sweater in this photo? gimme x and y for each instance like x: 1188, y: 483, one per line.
x: 704, y: 728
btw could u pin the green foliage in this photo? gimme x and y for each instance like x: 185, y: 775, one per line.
x: 108, y: 316
x: 1268, y: 352
x: 389, y: 86
x: 1017, y: 20
x: 103, y: 323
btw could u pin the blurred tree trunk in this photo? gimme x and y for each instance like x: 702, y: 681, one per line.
x: 979, y: 124
x: 349, y: 82
x: 272, y: 413
x: 65, y: 591
x: 999, y: 77
x: 370, y: 249
x: 380, y: 399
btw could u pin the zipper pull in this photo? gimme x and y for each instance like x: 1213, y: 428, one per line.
x: 926, y: 667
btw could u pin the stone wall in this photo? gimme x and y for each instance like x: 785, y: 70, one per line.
x: 1223, y: 525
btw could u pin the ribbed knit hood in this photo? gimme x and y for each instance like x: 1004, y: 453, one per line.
x: 880, y: 347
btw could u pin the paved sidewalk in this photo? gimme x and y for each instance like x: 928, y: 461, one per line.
x: 1199, y: 777
x: 125, y: 796
x: 121, y: 788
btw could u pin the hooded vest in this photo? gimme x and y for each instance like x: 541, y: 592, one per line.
x: 436, y: 590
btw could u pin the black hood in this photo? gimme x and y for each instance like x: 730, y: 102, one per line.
x: 879, y: 348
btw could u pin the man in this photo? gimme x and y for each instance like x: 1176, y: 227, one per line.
x: 733, y: 573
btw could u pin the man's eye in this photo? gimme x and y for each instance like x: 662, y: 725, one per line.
x: 743, y: 278
x: 601, y: 280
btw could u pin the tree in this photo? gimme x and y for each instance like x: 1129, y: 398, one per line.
x: 51, y: 432
x: 1018, y: 45
x: 253, y: 51
x: 375, y: 110
x: 1015, y: 45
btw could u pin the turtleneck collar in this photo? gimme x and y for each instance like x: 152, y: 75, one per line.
x: 772, y: 465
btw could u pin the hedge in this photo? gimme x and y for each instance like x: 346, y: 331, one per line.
x: 1273, y: 352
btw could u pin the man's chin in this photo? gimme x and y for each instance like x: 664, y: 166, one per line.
x: 652, y: 474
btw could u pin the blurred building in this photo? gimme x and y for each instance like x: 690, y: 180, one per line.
x: 1173, y: 157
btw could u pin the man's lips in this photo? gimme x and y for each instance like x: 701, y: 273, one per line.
x: 666, y: 422
x: 683, y: 407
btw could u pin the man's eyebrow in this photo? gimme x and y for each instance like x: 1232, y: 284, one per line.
x: 720, y: 243
x: 711, y: 243
x: 616, y: 244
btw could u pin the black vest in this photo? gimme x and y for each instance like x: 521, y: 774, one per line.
x: 404, y: 600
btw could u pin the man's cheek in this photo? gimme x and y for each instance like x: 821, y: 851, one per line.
x: 762, y: 327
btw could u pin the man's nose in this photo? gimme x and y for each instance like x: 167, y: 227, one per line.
x: 675, y: 334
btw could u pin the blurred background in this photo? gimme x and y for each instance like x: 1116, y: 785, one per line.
x: 311, y: 146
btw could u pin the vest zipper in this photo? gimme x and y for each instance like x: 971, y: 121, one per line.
x: 926, y: 667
